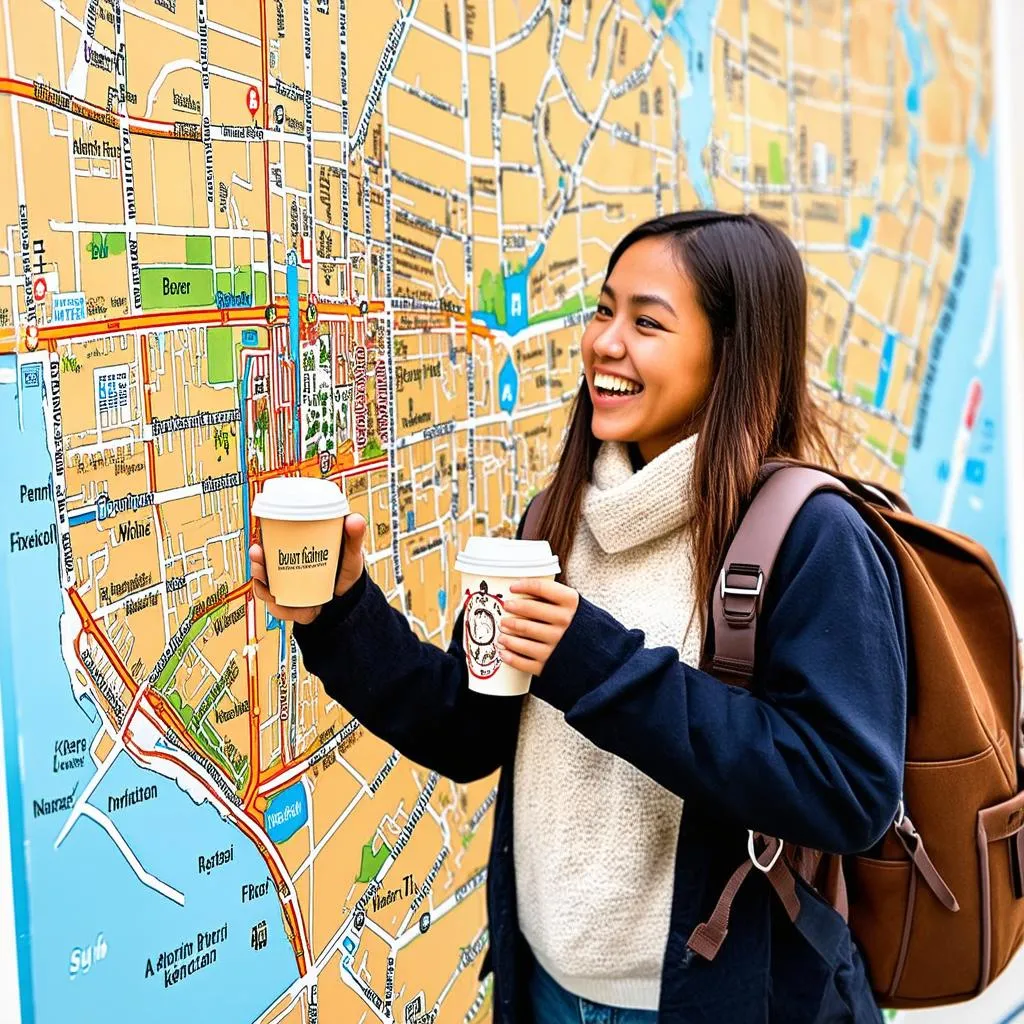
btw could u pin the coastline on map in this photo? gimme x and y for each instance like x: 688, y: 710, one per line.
x: 88, y: 928
x: 979, y: 497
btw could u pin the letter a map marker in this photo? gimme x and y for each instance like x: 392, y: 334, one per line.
x: 252, y: 100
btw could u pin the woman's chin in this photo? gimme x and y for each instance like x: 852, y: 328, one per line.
x: 605, y: 431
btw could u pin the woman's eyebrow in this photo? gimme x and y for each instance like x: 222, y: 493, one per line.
x: 641, y: 300
x: 652, y: 300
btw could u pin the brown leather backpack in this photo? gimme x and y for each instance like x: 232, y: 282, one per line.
x: 938, y: 909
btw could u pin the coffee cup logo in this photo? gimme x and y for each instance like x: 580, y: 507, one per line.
x: 303, y: 558
x: 482, y: 614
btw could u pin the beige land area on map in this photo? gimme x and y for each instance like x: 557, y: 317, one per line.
x: 407, y: 200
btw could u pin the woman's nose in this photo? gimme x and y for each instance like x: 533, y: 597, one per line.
x: 609, y: 343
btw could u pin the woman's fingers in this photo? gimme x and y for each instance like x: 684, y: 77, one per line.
x: 529, y: 665
x: 351, y: 567
x: 544, y: 590
x: 257, y: 564
x: 539, y: 611
x: 531, y: 649
x: 259, y: 588
x: 530, y: 629
x: 300, y: 615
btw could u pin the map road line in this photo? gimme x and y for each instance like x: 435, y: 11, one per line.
x: 144, y: 876
x: 89, y: 626
x: 262, y: 842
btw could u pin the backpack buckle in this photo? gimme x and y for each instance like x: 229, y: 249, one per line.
x: 760, y: 865
x: 745, y: 612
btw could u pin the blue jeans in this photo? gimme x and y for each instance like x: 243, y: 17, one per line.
x: 553, y: 1005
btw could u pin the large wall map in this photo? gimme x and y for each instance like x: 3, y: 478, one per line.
x: 358, y: 239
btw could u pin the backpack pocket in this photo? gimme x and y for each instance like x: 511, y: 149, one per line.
x: 882, y: 894
x: 919, y: 952
x: 1001, y: 856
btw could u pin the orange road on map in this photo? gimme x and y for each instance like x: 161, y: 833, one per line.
x: 169, y: 719
x: 89, y: 626
x: 252, y: 673
x: 250, y: 316
x: 91, y: 112
x: 161, y: 706
x: 213, y: 317
x: 243, y: 821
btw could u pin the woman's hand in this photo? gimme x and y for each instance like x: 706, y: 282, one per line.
x: 349, y: 571
x: 534, y: 622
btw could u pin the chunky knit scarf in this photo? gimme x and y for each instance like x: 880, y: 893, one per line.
x: 595, y: 838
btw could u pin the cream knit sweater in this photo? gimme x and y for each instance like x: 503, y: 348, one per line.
x: 595, y: 838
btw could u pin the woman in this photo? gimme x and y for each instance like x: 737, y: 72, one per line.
x: 635, y: 775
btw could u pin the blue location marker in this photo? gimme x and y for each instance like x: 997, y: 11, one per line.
x: 286, y: 813
x: 974, y: 471
x: 442, y: 600
x: 508, y: 386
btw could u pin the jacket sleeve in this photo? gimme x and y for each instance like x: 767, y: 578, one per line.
x: 813, y: 753
x: 407, y: 691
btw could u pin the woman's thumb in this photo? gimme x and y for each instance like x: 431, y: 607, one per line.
x: 355, y: 531
x: 352, y: 556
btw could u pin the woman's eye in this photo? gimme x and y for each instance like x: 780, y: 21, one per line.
x: 647, y: 322
x: 602, y: 310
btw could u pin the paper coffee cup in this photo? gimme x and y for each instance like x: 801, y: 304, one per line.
x: 301, y: 524
x: 489, y: 566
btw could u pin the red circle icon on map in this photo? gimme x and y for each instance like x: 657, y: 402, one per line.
x: 39, y: 289
x: 252, y: 99
x: 32, y: 341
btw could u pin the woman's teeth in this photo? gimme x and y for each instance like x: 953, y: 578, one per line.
x: 616, y: 385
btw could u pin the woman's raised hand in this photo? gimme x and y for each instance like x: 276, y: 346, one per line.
x: 349, y: 571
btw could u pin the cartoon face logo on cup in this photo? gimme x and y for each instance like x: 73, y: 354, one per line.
x: 482, y: 613
x: 488, y: 567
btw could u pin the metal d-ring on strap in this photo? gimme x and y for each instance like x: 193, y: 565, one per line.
x: 764, y: 868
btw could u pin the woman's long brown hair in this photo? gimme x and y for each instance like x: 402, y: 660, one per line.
x: 750, y: 284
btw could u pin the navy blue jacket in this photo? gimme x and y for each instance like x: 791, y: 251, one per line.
x: 812, y: 754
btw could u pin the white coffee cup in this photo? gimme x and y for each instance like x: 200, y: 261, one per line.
x: 489, y: 566
x: 301, y: 525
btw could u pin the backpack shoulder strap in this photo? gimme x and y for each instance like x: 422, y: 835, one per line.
x: 738, y: 592
x: 531, y: 521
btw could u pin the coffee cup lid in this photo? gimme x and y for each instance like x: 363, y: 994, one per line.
x: 502, y: 556
x: 300, y: 498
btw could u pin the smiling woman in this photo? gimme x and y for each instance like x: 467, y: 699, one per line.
x: 694, y: 375
x: 700, y: 329
x: 647, y: 352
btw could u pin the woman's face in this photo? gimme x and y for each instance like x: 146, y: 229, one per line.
x: 647, y: 352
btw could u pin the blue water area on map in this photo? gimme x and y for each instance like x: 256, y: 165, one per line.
x: 508, y: 385
x: 915, y: 39
x: 82, y: 517
x: 286, y: 813
x: 859, y: 235
x: 980, y: 508
x: 691, y: 30
x: 83, y: 895
x: 517, y: 307
x: 885, y: 368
